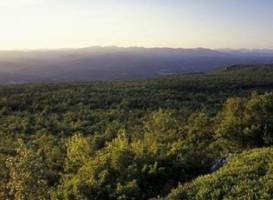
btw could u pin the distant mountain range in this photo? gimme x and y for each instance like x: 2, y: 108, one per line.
x: 117, y: 63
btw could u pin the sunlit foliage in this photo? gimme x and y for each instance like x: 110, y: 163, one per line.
x: 139, y: 139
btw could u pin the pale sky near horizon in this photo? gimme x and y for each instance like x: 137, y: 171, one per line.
x: 45, y: 24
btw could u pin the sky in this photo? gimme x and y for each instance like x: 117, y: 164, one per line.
x: 48, y: 24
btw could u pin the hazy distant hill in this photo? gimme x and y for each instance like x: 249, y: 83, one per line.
x: 258, y: 69
x: 114, y: 63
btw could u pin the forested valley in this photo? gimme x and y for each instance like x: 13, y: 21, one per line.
x: 191, y: 136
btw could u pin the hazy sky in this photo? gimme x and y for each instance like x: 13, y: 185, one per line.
x: 26, y: 24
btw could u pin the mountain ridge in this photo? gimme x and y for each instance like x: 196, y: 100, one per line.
x: 116, y: 63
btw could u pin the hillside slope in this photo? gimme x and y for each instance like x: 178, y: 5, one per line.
x: 261, y: 69
x: 248, y: 175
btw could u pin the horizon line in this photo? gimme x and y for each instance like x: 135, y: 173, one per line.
x: 125, y: 47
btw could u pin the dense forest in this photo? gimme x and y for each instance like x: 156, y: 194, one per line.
x: 191, y: 136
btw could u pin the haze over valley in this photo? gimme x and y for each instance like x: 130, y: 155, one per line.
x: 117, y: 63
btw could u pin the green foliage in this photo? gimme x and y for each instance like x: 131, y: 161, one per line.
x: 137, y: 139
x: 162, y: 126
x: 126, y: 170
x: 28, y: 176
x: 77, y: 152
x: 247, y: 175
x: 247, y: 121
x: 198, y: 142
